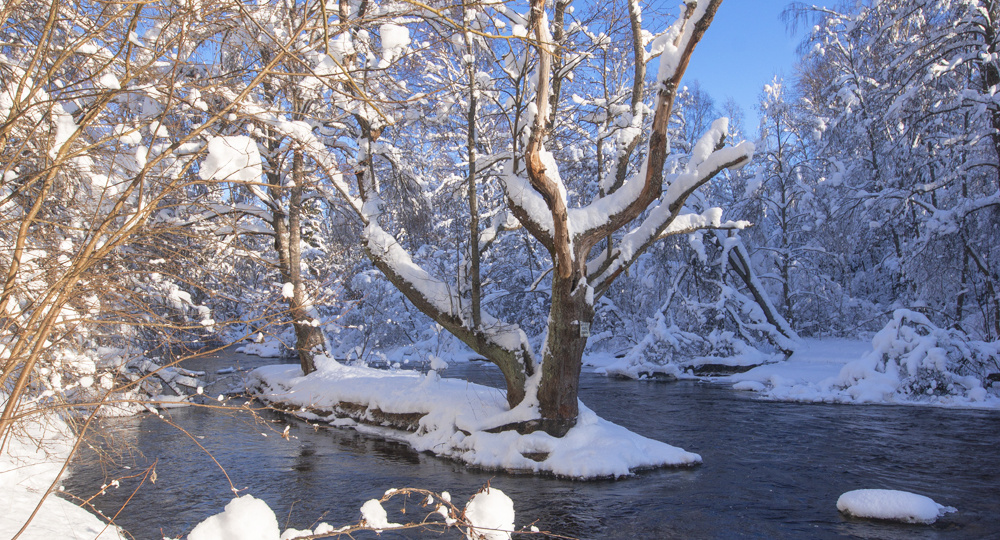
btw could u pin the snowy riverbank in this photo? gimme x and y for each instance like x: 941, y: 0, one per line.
x: 837, y: 370
x: 846, y: 371
x: 455, y: 419
x: 29, y: 464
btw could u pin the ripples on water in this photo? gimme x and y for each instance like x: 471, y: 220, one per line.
x: 771, y: 470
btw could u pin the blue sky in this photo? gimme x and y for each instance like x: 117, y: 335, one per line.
x: 744, y: 48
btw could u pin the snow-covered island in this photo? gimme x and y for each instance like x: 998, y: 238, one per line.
x: 459, y: 420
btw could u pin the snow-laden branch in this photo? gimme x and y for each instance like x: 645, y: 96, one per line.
x: 675, y: 44
x: 543, y: 172
x: 610, y: 213
x: 505, y: 344
x: 944, y: 222
x: 528, y: 206
x: 431, y: 295
x: 301, y: 133
x: 386, y: 249
x: 708, y: 158
x: 441, y: 300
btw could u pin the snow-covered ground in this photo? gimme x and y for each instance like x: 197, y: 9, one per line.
x: 29, y: 465
x: 816, y: 360
x: 456, y: 417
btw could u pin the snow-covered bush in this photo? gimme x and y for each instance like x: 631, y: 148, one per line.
x: 380, y: 319
x: 701, y: 312
x: 913, y: 357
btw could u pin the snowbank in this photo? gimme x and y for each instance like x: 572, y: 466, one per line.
x: 891, y: 505
x: 453, y: 418
x: 899, y: 366
x: 29, y: 464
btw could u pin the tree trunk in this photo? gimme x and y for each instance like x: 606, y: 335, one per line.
x: 564, y: 345
x: 308, y: 337
x: 288, y: 243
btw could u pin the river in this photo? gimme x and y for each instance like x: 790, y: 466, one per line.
x: 771, y: 470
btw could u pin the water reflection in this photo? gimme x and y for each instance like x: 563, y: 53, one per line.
x: 771, y: 470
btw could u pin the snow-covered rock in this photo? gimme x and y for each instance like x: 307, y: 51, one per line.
x: 891, y: 505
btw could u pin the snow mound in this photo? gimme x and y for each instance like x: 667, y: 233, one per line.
x: 453, y: 418
x: 31, y: 461
x: 491, y: 515
x: 249, y: 518
x: 891, y: 505
x: 244, y: 518
x: 271, y: 348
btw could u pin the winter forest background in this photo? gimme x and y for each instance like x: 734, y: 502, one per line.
x: 173, y: 176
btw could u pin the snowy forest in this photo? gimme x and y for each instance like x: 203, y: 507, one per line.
x: 534, y: 184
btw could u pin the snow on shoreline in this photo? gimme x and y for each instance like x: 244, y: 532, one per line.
x: 29, y: 464
x: 456, y: 419
x: 840, y: 371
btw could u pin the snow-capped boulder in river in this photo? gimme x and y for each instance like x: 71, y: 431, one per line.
x: 892, y: 505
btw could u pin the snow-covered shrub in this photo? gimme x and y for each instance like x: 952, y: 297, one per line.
x: 913, y: 357
x: 698, y: 313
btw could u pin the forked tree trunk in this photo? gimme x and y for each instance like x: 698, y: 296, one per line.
x: 572, y: 297
x: 574, y: 283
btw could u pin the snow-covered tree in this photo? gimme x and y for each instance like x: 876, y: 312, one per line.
x: 790, y: 214
x: 101, y: 134
x: 648, y: 204
x: 913, y: 146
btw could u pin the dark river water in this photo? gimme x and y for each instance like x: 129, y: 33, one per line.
x: 771, y: 470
